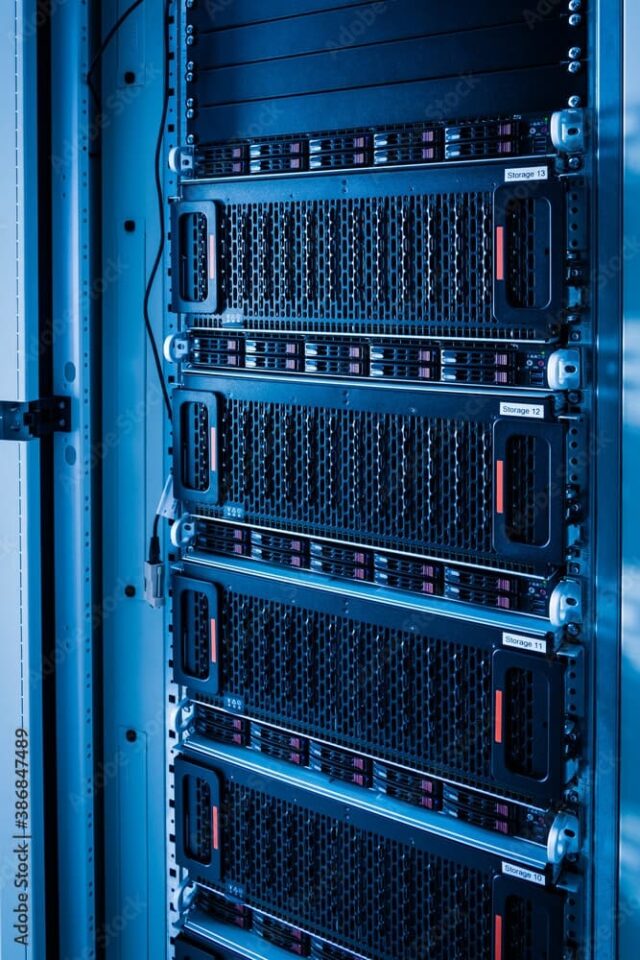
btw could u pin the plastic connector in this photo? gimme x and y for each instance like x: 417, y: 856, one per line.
x: 154, y: 584
x: 154, y: 575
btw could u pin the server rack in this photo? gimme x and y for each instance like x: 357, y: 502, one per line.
x: 382, y: 527
x: 383, y: 717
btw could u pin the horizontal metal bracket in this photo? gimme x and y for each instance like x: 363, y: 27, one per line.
x: 36, y: 419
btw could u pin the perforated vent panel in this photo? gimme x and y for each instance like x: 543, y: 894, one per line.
x: 521, y: 260
x: 519, y: 921
x: 523, y: 456
x: 388, y: 479
x: 393, y: 692
x: 399, y: 264
x: 362, y: 890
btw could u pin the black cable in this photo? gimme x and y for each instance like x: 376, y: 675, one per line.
x: 154, y: 543
x: 160, y: 196
x: 105, y: 43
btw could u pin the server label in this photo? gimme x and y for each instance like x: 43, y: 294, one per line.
x: 520, y: 873
x: 534, y: 410
x: 520, y: 642
x: 524, y: 174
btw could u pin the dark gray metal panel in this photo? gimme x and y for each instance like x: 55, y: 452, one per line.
x: 357, y: 16
x: 479, y: 95
x: 416, y: 59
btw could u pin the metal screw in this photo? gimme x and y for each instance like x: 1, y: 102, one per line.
x: 574, y: 101
x: 190, y: 102
x: 575, y: 66
x: 574, y: 163
x: 190, y: 28
x: 189, y: 41
x: 191, y: 139
x: 189, y: 4
x: 190, y: 114
x: 189, y: 77
x: 574, y: 53
x: 575, y: 4
x: 575, y: 20
x: 190, y: 65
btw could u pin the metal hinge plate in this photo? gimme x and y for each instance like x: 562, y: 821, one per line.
x: 36, y: 419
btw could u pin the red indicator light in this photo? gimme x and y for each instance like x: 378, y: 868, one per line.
x: 498, y: 721
x: 499, y: 253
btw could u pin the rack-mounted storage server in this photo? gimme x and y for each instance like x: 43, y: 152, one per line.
x: 394, y: 685
x: 372, y: 885
x: 385, y: 275
x: 379, y: 284
x: 400, y: 253
x: 433, y: 472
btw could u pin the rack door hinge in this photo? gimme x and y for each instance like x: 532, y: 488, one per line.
x: 36, y: 419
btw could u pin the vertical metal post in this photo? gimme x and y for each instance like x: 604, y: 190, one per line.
x: 133, y: 467
x: 605, y: 448
x: 74, y: 348
x: 21, y: 670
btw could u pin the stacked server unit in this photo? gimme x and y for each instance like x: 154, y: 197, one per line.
x: 380, y: 665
